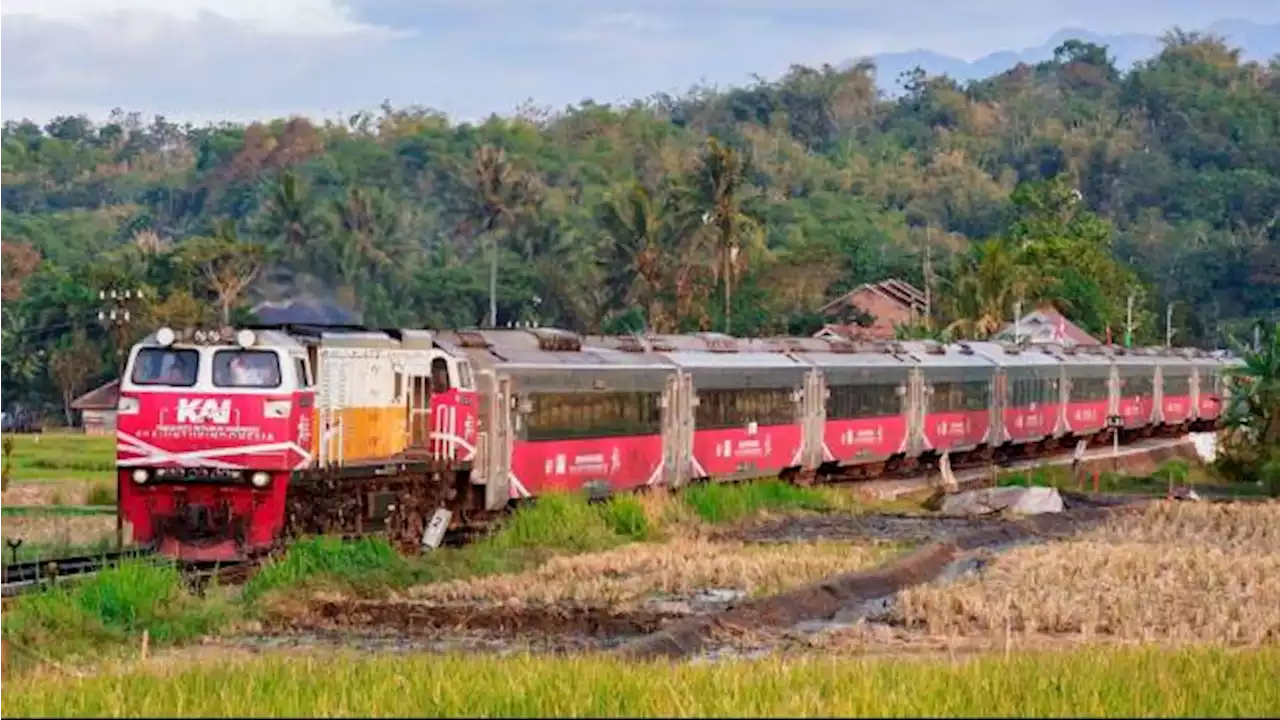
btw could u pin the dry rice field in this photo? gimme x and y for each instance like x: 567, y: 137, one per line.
x: 1176, y: 574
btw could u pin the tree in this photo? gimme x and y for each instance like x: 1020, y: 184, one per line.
x: 718, y: 192
x: 71, y: 366
x: 227, y: 267
x: 493, y: 193
x: 986, y: 283
x: 1253, y: 414
x: 287, y: 214
x: 20, y: 262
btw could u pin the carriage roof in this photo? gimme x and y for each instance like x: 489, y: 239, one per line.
x: 543, y: 348
x: 934, y: 354
x: 1013, y: 355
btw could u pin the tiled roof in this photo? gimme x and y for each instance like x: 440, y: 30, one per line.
x: 903, y: 293
x: 102, y: 398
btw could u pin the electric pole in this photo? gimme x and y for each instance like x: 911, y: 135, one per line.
x: 1168, y: 325
x: 1017, y: 322
x: 928, y: 276
x: 1128, y: 323
x: 119, y: 310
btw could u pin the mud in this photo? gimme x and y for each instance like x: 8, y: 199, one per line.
x: 421, y: 619
x: 867, y: 594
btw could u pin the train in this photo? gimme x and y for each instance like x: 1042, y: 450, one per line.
x: 231, y: 441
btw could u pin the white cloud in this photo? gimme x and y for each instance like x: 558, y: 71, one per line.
x: 281, y: 17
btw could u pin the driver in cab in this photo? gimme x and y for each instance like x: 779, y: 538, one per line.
x: 249, y: 370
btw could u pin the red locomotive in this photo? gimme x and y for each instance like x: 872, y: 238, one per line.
x: 231, y: 441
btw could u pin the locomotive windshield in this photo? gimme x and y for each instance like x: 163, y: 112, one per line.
x: 246, y: 369
x: 165, y: 366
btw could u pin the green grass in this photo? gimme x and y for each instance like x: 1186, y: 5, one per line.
x: 1180, y: 471
x: 1143, y: 682
x: 720, y: 503
x: 51, y: 550
x: 61, y: 456
x: 56, y: 510
x: 108, y: 611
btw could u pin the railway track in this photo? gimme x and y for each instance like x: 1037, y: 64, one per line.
x: 36, y: 574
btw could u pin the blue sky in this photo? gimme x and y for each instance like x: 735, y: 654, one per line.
x: 206, y: 60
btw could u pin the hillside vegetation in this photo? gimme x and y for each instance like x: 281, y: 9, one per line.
x: 744, y: 209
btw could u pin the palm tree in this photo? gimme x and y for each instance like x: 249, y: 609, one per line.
x: 638, y: 262
x: 1255, y: 409
x: 718, y: 193
x: 494, y: 191
x: 287, y: 214
x: 988, y: 280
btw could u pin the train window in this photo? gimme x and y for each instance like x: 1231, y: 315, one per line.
x: 300, y: 370
x: 961, y: 397
x: 562, y: 416
x: 164, y: 366
x: 863, y: 401
x: 440, y: 375
x: 246, y: 369
x: 720, y: 409
x: 1137, y: 386
x: 1089, y: 389
x: 465, y: 381
x: 1177, y: 385
x: 1026, y: 391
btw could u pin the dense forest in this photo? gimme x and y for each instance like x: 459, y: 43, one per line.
x: 1071, y: 182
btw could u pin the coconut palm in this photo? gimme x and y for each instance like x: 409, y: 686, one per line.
x: 988, y: 280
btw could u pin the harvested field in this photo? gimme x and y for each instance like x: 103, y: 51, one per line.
x: 60, y: 530
x: 1176, y: 573
x: 632, y: 574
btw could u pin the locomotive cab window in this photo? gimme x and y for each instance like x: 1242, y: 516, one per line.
x: 246, y: 369
x: 300, y: 370
x: 440, y: 376
x: 465, y: 381
x: 165, y: 366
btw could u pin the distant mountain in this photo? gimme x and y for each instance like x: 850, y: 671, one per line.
x: 1259, y: 42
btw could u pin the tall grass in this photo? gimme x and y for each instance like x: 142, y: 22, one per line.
x: 718, y: 503
x: 108, y: 609
x: 1144, y: 682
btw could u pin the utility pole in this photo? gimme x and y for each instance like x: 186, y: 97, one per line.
x: 928, y: 276
x: 1128, y: 323
x: 1168, y: 325
x: 1017, y: 322
x: 117, y: 313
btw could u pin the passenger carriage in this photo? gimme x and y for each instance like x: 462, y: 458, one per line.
x: 952, y: 396
x: 859, y: 418
x: 561, y: 416
x: 1028, y: 393
x: 1087, y: 374
x: 1134, y: 389
x: 1176, y: 399
x: 1208, y: 388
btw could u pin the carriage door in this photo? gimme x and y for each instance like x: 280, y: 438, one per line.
x: 418, y: 410
x: 815, y: 417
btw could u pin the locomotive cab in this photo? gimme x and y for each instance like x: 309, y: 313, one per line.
x: 210, y: 427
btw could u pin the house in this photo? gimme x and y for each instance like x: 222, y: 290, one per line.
x: 98, y: 409
x: 888, y: 304
x: 1046, y: 325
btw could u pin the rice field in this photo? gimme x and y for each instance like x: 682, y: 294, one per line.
x: 1143, y: 682
x: 53, y: 456
x: 1179, y: 573
x: 624, y: 576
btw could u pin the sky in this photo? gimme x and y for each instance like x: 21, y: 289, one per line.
x: 211, y: 60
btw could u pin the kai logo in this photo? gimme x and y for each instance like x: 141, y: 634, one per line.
x: 194, y: 411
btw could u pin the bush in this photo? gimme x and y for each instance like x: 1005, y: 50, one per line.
x: 356, y: 562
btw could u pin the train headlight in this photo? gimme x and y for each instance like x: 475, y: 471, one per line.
x: 245, y: 338
x: 260, y: 479
x: 165, y: 336
x: 140, y: 476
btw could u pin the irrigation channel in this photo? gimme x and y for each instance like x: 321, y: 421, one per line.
x: 35, y: 575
